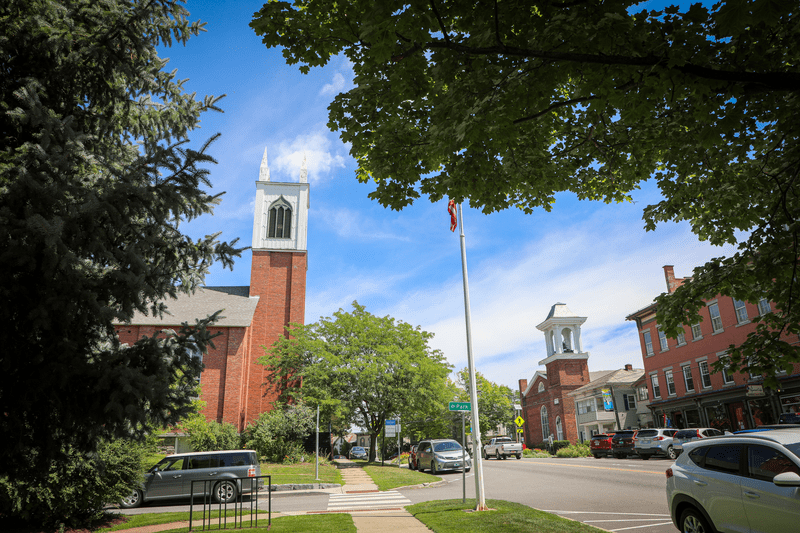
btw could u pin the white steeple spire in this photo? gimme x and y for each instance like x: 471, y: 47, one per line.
x: 263, y: 173
x: 304, y: 171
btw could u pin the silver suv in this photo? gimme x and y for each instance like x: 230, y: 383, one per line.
x: 650, y: 442
x: 442, y: 454
x: 742, y: 483
x: 172, y: 477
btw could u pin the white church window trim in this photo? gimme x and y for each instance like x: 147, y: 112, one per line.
x: 279, y: 225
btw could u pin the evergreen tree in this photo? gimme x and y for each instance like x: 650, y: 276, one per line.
x: 95, y: 177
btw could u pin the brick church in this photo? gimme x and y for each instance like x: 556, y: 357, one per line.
x: 232, y: 382
x: 546, y: 408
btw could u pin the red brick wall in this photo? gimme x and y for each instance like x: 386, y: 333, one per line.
x: 279, y: 279
x: 563, y: 376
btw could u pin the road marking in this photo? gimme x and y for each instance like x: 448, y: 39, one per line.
x: 373, y: 500
x: 595, y: 467
x: 609, y: 512
x: 646, y: 525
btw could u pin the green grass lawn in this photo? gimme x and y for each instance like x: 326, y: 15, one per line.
x: 390, y: 477
x: 452, y: 516
x: 321, y: 523
x: 300, y: 473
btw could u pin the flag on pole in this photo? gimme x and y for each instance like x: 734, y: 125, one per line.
x: 451, y: 208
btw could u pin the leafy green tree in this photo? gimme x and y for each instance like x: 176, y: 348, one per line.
x: 364, y: 368
x: 494, y: 401
x: 95, y: 177
x: 206, y: 436
x: 506, y: 104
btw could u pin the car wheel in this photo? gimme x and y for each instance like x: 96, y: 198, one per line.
x: 497, y: 454
x: 645, y: 457
x: 617, y: 456
x: 519, y: 456
x: 485, y: 457
x: 433, y: 467
x: 132, y: 500
x: 671, y: 453
x: 692, y: 521
x: 596, y: 456
x: 225, y: 492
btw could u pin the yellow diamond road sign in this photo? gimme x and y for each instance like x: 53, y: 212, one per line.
x: 519, y: 421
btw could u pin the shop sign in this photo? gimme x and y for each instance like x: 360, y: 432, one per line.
x: 755, y: 390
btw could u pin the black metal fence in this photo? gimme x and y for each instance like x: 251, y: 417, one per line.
x: 248, y: 493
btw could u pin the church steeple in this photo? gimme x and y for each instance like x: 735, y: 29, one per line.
x: 280, y: 222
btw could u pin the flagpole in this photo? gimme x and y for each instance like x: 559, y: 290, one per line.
x: 473, y: 388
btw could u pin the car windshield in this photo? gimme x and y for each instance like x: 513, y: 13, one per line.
x: 794, y: 448
x: 448, y: 446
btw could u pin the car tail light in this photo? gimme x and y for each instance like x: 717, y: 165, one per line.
x: 669, y: 473
x: 659, y: 438
x: 699, y: 436
x: 251, y: 472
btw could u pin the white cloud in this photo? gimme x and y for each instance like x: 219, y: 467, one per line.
x: 322, y: 156
x: 334, y: 87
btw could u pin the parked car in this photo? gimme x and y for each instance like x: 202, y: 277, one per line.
x: 789, y: 418
x: 442, y: 454
x: 412, y: 458
x: 172, y: 477
x: 600, y: 445
x: 742, y: 483
x: 689, y: 435
x: 656, y: 441
x: 622, y: 443
x: 358, y: 452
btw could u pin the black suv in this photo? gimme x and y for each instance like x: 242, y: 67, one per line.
x: 622, y: 443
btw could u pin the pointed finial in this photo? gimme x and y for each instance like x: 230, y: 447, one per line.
x: 304, y: 170
x: 263, y: 173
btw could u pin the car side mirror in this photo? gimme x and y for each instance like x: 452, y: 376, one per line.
x: 787, y: 479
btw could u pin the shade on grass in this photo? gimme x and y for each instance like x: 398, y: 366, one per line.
x: 454, y: 516
x: 318, y: 523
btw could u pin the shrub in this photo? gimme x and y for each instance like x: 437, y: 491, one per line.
x: 536, y: 453
x: 206, y: 436
x: 76, y: 489
x: 278, y: 435
x: 575, y: 450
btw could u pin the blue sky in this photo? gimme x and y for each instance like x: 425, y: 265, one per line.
x: 594, y: 257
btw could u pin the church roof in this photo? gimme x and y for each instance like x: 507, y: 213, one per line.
x: 236, y: 304
x: 559, y: 310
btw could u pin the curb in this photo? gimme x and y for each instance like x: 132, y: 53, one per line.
x: 304, y: 486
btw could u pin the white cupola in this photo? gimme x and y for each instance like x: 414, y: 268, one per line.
x: 562, y: 333
x: 280, y: 222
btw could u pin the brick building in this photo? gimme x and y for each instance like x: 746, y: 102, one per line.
x: 685, y: 392
x: 232, y: 382
x: 546, y: 408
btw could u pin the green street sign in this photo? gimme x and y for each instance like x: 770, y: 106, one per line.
x: 460, y: 406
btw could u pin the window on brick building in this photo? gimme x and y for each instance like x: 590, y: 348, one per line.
x: 280, y: 220
x: 741, y: 311
x: 763, y: 306
x: 545, y: 423
x: 656, y: 388
x: 727, y: 376
x: 705, y: 375
x: 662, y: 340
x: 696, y: 332
x: 648, y: 343
x: 681, y: 338
x: 541, y: 387
x: 670, y: 382
x: 559, y: 429
x: 716, y: 319
x: 688, y: 380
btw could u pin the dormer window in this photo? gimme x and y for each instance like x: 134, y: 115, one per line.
x: 280, y: 220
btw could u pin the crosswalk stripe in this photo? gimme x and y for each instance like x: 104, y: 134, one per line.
x: 389, y: 498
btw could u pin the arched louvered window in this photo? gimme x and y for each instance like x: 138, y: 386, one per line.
x: 280, y: 220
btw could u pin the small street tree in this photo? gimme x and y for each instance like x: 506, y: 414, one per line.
x: 494, y: 401
x: 506, y: 104
x: 365, y: 369
x: 95, y: 178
